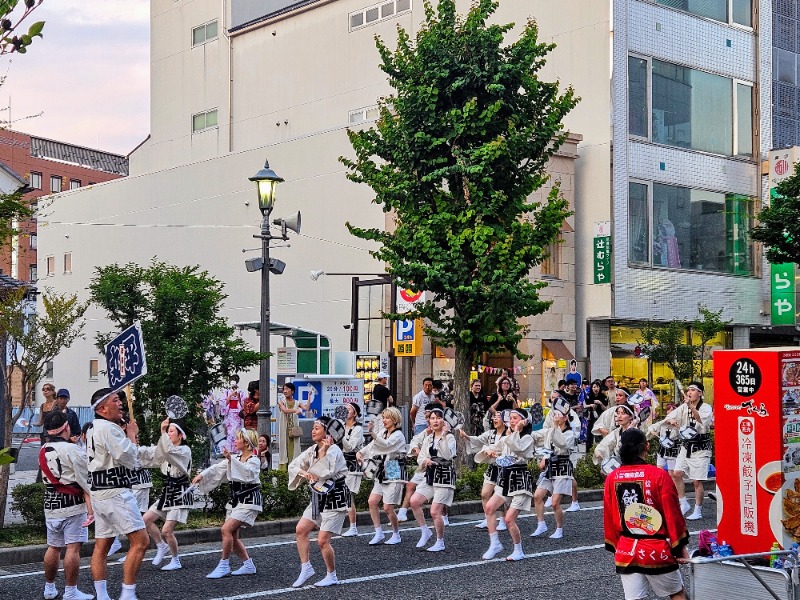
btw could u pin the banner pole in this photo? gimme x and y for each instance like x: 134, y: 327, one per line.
x: 128, y: 392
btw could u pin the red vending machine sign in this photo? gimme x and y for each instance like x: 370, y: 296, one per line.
x: 748, y: 428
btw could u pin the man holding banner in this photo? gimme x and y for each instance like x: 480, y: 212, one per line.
x: 112, y: 453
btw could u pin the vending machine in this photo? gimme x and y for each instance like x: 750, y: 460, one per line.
x: 757, y: 443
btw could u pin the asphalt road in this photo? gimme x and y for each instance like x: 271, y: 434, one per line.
x: 575, y: 568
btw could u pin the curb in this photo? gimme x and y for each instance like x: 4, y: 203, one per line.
x: 35, y: 554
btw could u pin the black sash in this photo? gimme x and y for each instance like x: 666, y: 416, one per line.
x: 558, y: 465
x: 172, y: 494
x: 338, y: 498
x: 140, y: 476
x: 352, y: 462
x: 669, y: 452
x: 110, y: 479
x: 55, y: 500
x: 516, y: 478
x: 441, y: 472
x: 700, y: 442
x: 492, y: 473
x: 245, y: 493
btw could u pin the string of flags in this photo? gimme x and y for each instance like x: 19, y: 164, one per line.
x: 496, y: 370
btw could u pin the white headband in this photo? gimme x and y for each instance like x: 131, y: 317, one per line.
x: 179, y: 428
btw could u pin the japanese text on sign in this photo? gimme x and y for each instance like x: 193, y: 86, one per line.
x: 782, y: 297
x: 601, y: 257
x: 747, y: 476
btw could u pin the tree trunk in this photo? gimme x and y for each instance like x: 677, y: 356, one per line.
x: 461, y: 399
x: 5, y: 470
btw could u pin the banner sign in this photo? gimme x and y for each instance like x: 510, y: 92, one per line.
x: 782, y: 294
x: 601, y: 250
x: 125, y: 357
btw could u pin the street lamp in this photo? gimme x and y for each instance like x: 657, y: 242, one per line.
x: 266, y: 182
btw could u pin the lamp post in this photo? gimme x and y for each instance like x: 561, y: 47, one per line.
x: 266, y: 182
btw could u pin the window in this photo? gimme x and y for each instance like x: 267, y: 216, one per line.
x: 378, y: 12
x: 55, y: 183
x: 637, y: 96
x: 727, y: 11
x: 36, y: 180
x: 691, y: 229
x: 48, y: 369
x: 204, y: 120
x: 689, y: 108
x: 94, y: 369
x: 204, y: 33
x: 369, y: 113
x: 551, y: 266
x: 68, y: 262
x: 74, y: 184
x: 51, y: 265
x: 33, y: 273
x: 34, y: 239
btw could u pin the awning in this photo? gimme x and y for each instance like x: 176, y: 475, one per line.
x: 558, y: 349
x: 303, y: 338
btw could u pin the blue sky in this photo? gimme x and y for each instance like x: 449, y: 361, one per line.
x: 89, y: 75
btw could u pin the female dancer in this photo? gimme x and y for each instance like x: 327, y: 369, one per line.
x: 176, y: 463
x: 243, y: 473
x: 625, y: 416
x: 412, y: 452
x: 324, y: 468
x: 436, y: 458
x: 557, y: 471
x: 231, y: 404
x: 388, y: 445
x: 514, y: 486
x: 475, y: 443
x: 352, y: 442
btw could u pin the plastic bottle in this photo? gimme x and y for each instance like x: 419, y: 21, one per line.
x: 778, y: 564
x: 715, y: 550
x: 726, y: 550
x: 788, y: 562
x: 773, y: 557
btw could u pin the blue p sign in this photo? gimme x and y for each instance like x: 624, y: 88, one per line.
x: 405, y: 331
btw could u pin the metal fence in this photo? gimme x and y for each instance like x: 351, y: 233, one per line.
x: 85, y: 414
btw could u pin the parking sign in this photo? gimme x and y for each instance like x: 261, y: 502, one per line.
x: 408, y: 337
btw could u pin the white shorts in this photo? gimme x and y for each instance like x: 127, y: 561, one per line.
x: 392, y: 492
x: 561, y: 485
x: 171, y: 514
x: 242, y: 513
x: 62, y: 532
x: 521, y: 502
x: 328, y: 520
x: 353, y: 482
x: 696, y: 467
x: 662, y: 462
x: 439, y: 495
x: 142, y: 496
x: 418, y: 477
x: 118, y: 515
x: 637, y: 586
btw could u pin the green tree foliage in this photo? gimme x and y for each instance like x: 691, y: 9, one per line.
x: 13, y: 36
x: 779, y: 224
x: 668, y: 344
x: 32, y: 340
x: 458, y: 149
x: 707, y: 327
x: 190, y: 348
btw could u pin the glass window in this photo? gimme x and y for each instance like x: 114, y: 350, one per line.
x: 94, y: 368
x: 211, y: 30
x: 74, y: 184
x: 638, y: 223
x: 55, y: 183
x: 34, y: 241
x: 637, y: 96
x: 68, y: 262
x: 403, y: 5
x: 691, y: 109
x: 744, y: 119
x: 742, y: 12
x: 701, y: 230
x: 51, y: 265
x: 204, y: 33
x: 204, y: 120
x: 551, y: 266
x: 783, y: 66
x: 372, y: 15
x: 387, y: 10
x: 36, y: 180
x: 33, y: 273
x: 356, y: 20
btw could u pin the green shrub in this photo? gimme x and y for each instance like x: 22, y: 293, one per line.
x: 28, y: 501
x: 587, y: 474
x: 279, y: 501
x: 468, y: 486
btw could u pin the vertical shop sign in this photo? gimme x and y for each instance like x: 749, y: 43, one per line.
x: 747, y: 476
x: 602, y: 259
x: 782, y: 297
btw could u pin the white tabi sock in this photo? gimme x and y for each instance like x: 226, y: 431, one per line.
x: 128, y: 591
x: 101, y: 590
x: 494, y: 537
x: 424, y: 529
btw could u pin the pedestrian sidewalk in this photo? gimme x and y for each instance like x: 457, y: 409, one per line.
x: 15, y: 479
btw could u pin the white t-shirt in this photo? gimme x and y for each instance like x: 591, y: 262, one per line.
x: 420, y: 400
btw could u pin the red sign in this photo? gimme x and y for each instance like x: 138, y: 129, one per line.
x: 410, y: 295
x: 781, y: 166
x: 757, y: 440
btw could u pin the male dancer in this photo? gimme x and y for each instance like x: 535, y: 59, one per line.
x: 112, y: 452
x: 65, y: 474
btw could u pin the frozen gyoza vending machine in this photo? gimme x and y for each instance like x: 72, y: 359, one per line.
x: 757, y: 443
